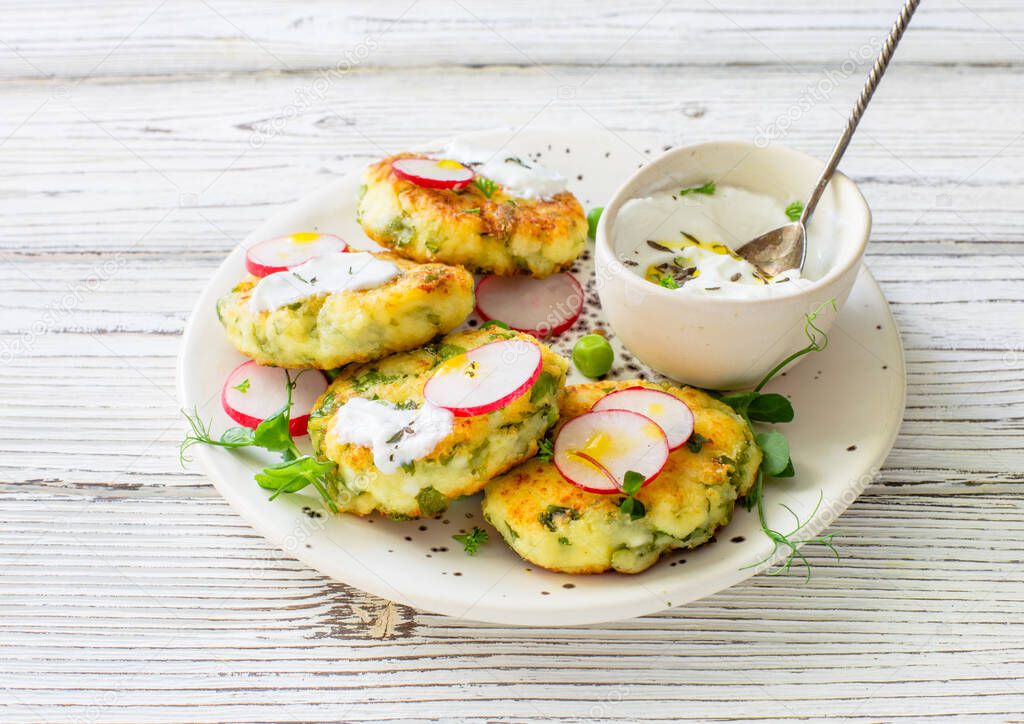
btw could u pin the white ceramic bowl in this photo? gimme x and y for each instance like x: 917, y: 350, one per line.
x: 721, y: 343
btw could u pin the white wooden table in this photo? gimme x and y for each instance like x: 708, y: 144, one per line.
x: 140, y: 141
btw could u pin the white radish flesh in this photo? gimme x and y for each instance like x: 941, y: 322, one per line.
x: 540, y: 307
x: 252, y: 393
x: 668, y: 411
x: 433, y: 173
x: 595, y: 450
x: 486, y: 378
x: 284, y: 252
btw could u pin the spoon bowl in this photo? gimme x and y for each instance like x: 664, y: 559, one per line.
x: 778, y: 250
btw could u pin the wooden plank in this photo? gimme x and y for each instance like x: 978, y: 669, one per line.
x: 75, y: 40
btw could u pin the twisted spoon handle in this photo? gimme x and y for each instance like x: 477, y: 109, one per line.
x: 877, y: 71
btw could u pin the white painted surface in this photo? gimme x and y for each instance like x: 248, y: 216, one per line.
x: 140, y: 142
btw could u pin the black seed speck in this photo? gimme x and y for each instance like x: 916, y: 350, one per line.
x: 737, y: 539
x: 423, y: 527
x: 429, y: 556
x: 545, y: 593
x: 568, y: 585
x: 579, y: 177
x: 469, y: 515
x: 851, y: 448
x: 473, y: 323
x: 408, y: 537
x: 885, y: 367
x: 878, y: 326
x: 442, y: 549
x: 456, y: 573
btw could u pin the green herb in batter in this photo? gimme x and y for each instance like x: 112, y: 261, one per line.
x: 372, y: 378
x: 545, y: 450
x: 631, y: 484
x: 696, y: 443
x: 545, y: 385
x: 553, y: 515
x: 431, y: 501
x: 487, y: 186
x: 472, y: 540
x: 708, y: 189
x: 794, y: 210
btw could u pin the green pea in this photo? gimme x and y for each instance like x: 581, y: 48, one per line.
x: 593, y: 356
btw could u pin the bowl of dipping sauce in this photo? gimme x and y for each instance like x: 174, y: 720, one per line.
x: 676, y: 293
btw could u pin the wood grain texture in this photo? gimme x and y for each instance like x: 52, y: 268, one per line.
x: 140, y: 141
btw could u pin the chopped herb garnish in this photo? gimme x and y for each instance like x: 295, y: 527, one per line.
x: 472, y: 540
x: 657, y: 246
x: 668, y: 282
x: 794, y: 210
x: 708, y: 189
x: 474, y: 210
x: 545, y: 450
x: 242, y: 386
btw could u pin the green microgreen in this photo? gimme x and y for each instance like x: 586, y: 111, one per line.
x: 632, y: 482
x: 708, y: 189
x: 794, y: 210
x: 242, y: 386
x: 769, y: 407
x: 295, y: 471
x: 472, y: 540
x: 668, y: 282
x: 487, y: 186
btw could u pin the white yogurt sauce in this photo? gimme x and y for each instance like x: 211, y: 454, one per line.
x: 520, y: 177
x: 719, y: 222
x: 348, y: 271
x: 396, y: 437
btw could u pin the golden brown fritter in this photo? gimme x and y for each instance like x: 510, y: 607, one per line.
x: 477, y: 449
x: 554, y: 524
x: 331, y: 330
x: 500, y: 235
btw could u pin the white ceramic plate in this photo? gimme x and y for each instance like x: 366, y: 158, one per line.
x: 849, y: 403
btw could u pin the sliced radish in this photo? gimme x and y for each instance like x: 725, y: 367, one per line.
x: 432, y: 173
x: 252, y: 393
x: 671, y: 413
x: 486, y: 378
x: 595, y: 450
x: 284, y: 252
x: 540, y: 307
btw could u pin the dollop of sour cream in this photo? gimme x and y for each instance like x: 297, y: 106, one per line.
x: 686, y: 242
x: 518, y: 176
x: 396, y: 436
x: 326, y: 274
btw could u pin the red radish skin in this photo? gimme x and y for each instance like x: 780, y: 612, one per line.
x: 675, y: 418
x: 508, y: 367
x: 541, y: 307
x: 284, y: 252
x: 616, y: 424
x: 433, y: 173
x: 265, y: 394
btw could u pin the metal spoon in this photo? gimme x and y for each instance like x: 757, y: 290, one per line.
x: 786, y: 247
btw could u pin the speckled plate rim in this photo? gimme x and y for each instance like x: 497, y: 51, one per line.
x: 345, y: 547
